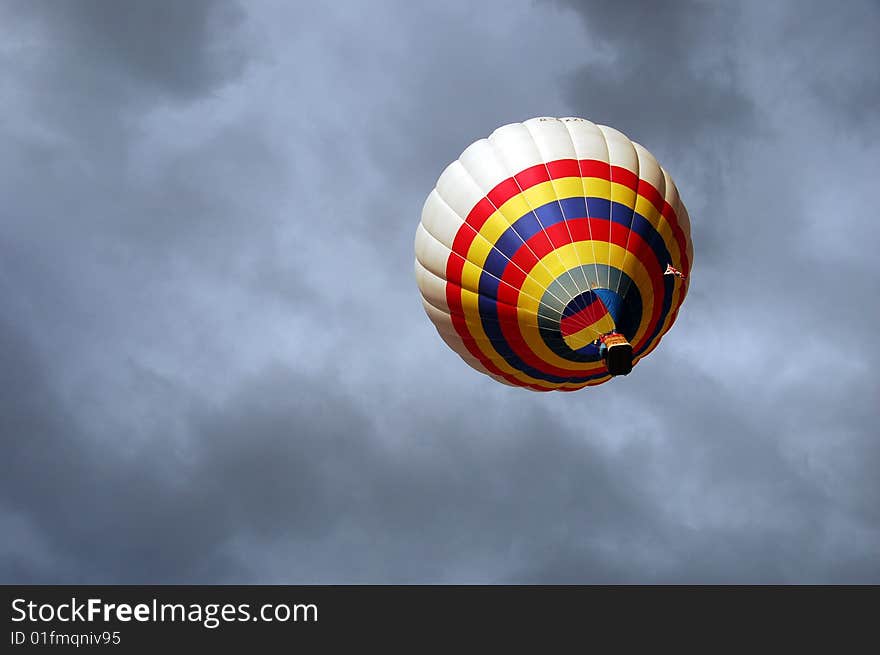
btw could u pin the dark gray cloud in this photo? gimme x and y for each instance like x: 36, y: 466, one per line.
x: 215, y: 367
x: 665, y: 73
x: 182, y: 50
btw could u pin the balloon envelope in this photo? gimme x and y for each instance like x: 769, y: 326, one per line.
x: 543, y: 239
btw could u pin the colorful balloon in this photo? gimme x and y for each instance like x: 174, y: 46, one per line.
x: 550, y: 246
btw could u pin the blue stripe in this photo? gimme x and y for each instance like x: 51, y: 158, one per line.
x: 574, y: 207
x: 525, y: 228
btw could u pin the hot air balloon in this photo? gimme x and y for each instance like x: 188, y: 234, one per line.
x: 553, y: 255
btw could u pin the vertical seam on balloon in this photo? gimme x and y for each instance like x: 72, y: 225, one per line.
x: 663, y: 195
x: 674, y: 306
x: 565, y: 221
x: 584, y: 323
x: 622, y: 299
x: 533, y: 212
x: 610, y: 207
x: 586, y: 201
x: 582, y: 266
x: 664, y: 322
x: 631, y: 219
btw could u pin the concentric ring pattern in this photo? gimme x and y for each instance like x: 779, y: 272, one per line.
x: 545, y: 236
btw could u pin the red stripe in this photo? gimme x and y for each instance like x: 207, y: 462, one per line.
x: 503, y: 192
x: 532, y: 176
x: 595, y: 168
x: 625, y: 177
x: 562, y: 168
x: 587, y: 316
x: 507, y: 189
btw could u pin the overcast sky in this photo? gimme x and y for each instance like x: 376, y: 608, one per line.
x: 215, y: 366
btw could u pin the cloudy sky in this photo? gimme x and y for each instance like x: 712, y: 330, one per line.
x: 215, y: 367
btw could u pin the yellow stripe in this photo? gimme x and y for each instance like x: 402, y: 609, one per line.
x: 588, y: 334
x: 557, y: 263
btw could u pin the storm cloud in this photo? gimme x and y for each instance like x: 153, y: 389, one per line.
x: 214, y: 365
